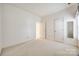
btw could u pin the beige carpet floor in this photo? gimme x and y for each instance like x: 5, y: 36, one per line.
x: 41, y: 48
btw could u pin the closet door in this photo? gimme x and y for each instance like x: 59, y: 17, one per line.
x: 59, y: 30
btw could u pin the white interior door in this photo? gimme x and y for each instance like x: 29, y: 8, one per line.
x: 59, y: 30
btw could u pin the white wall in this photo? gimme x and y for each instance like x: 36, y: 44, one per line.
x: 18, y: 25
x: 78, y: 28
x: 65, y: 14
x: 0, y: 27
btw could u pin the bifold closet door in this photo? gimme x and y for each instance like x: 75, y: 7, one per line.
x: 59, y: 30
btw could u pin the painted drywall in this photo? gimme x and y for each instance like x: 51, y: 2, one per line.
x: 0, y: 27
x: 18, y: 25
x: 65, y: 14
x: 77, y: 23
x: 78, y: 27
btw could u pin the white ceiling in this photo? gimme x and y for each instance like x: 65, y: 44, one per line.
x: 42, y: 9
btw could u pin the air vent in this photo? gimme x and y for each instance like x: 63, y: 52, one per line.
x: 68, y: 3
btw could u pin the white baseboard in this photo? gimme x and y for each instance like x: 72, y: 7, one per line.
x: 18, y: 43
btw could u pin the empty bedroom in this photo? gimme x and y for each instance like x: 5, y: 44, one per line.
x: 39, y: 29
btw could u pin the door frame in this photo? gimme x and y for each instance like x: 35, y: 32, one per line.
x: 70, y: 41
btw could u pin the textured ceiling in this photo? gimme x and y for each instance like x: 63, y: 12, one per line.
x: 42, y: 9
